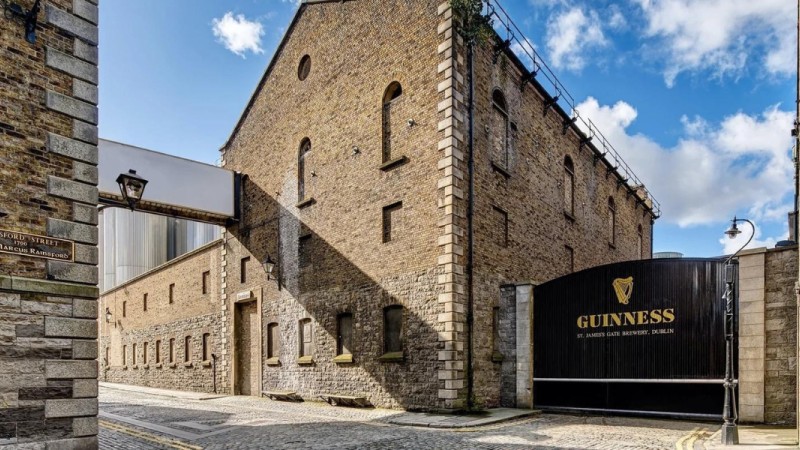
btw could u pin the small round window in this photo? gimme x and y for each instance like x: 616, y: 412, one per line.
x: 304, y: 68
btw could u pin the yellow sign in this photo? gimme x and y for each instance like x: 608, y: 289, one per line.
x: 623, y: 288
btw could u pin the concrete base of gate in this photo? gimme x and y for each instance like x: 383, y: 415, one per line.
x: 488, y: 417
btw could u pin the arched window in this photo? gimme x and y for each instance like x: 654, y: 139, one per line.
x: 640, y: 242
x: 612, y: 221
x: 302, y: 155
x: 499, y: 126
x: 391, y: 103
x: 569, y: 186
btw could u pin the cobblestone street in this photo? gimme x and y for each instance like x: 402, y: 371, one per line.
x: 137, y: 420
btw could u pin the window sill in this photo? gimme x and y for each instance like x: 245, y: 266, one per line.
x: 124, y: 367
x: 159, y: 365
x: 569, y: 216
x: 497, y: 357
x: 306, y: 203
x: 501, y: 170
x: 343, y: 359
x: 173, y: 365
x: 135, y: 367
x: 188, y: 364
x: 206, y: 364
x: 305, y: 360
x: 391, y: 164
x: 107, y: 368
x: 146, y: 366
x: 392, y: 357
x: 273, y: 361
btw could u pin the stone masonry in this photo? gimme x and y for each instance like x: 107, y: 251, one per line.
x: 780, y: 382
x: 48, y: 178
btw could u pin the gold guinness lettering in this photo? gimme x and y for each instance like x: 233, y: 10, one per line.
x: 652, y: 317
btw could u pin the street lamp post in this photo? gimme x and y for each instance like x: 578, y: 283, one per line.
x: 730, y: 431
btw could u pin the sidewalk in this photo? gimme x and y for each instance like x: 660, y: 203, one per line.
x: 757, y: 437
x: 186, y: 395
x: 488, y: 417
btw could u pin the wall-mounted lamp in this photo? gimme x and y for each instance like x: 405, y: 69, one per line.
x: 356, y: 150
x: 30, y: 17
x: 411, y: 122
x: 269, y: 266
x: 108, y: 315
x: 132, y: 187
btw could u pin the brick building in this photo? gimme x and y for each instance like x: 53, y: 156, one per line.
x: 355, y: 153
x: 48, y: 217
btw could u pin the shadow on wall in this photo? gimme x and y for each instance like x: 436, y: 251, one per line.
x: 319, y: 281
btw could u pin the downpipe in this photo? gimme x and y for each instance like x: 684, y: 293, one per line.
x: 470, y: 215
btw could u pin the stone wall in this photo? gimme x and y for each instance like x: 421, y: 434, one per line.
x: 780, y: 381
x: 191, y: 313
x: 48, y: 178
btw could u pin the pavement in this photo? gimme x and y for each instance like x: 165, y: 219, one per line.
x: 132, y: 417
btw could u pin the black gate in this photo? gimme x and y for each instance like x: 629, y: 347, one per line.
x: 639, y: 337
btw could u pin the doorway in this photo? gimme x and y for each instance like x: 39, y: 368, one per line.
x: 247, y: 340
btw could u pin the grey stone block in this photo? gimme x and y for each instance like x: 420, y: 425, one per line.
x: 85, y: 91
x: 72, y: 24
x: 84, y: 308
x: 85, y: 173
x: 85, y: 388
x: 71, y: 328
x: 71, y: 107
x: 66, y: 369
x: 76, y: 273
x: 84, y: 132
x: 84, y: 214
x: 87, y: 52
x: 86, y: 10
x: 72, y: 190
x: 70, y: 408
x: 72, y: 148
x: 86, y: 234
x: 84, y: 443
x: 9, y: 302
x: 71, y: 65
x: 84, y: 426
x: 46, y: 308
x: 86, y: 254
x: 84, y: 349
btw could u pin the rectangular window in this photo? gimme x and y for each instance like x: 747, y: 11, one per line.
x: 171, y: 293
x: 206, y: 349
x: 304, y: 251
x: 570, y: 258
x: 108, y: 354
x: 124, y: 309
x: 144, y: 353
x: 243, y: 269
x: 500, y: 226
x: 158, y: 352
x: 393, y: 329
x: 344, y: 340
x: 206, y: 277
x: 124, y: 355
x: 391, y: 221
x: 144, y: 302
x: 272, y: 340
x: 133, y: 355
x: 172, y: 350
x: 187, y: 349
x: 306, y: 342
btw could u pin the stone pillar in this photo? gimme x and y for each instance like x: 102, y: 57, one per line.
x: 507, y: 335
x: 525, y: 346
x: 48, y: 179
x: 752, y: 335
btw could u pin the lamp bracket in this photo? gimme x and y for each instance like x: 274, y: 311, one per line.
x: 13, y: 10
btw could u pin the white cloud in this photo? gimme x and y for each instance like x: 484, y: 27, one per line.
x: 719, y: 36
x: 524, y: 50
x: 571, y: 35
x: 715, y: 170
x: 238, y: 34
x: 616, y: 20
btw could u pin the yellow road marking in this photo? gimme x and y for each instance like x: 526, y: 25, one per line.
x: 687, y: 442
x: 147, y: 436
x: 681, y: 441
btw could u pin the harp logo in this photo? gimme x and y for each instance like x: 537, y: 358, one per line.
x: 623, y: 287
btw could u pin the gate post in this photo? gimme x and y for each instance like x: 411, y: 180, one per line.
x: 525, y: 346
x: 752, y: 335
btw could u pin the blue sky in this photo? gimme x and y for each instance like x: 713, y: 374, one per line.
x: 696, y: 95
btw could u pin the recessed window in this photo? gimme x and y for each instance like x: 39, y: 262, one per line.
x: 243, y: 269
x: 569, y: 186
x: 206, y: 346
x: 187, y: 349
x: 344, y: 337
x: 273, y: 340
x: 144, y: 302
x: 391, y: 109
x: 500, y: 229
x: 302, y: 160
x: 124, y: 355
x: 306, y: 338
x: 499, y: 129
x: 171, y: 293
x: 570, y: 258
x: 612, y: 222
x: 172, y: 350
x: 108, y: 354
x: 391, y: 221
x: 144, y: 353
x: 206, y: 279
x: 304, y: 68
x: 393, y: 329
x: 124, y: 309
x: 158, y: 352
x: 133, y: 356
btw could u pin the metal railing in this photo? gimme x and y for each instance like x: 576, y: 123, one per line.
x: 539, y: 70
